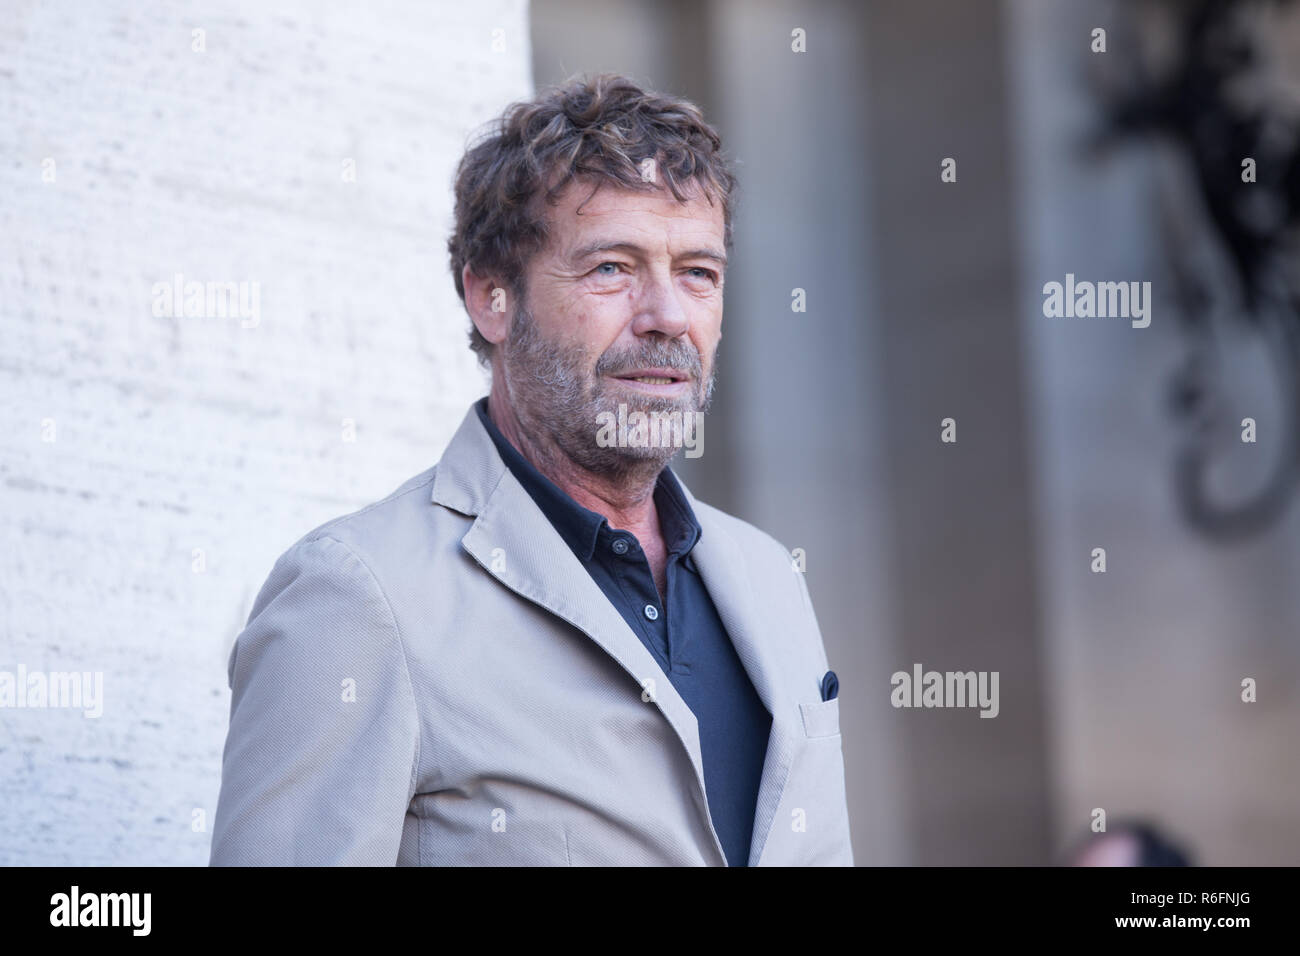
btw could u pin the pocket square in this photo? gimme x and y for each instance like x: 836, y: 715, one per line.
x: 830, y: 686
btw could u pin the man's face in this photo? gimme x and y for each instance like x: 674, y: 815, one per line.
x: 630, y: 288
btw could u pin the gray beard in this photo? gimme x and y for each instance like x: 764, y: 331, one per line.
x: 556, y: 399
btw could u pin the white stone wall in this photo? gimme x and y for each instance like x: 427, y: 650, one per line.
x: 154, y: 467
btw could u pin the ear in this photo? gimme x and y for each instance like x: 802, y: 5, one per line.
x: 487, y: 300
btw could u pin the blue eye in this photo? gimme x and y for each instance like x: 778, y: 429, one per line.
x: 708, y: 273
x: 603, y: 264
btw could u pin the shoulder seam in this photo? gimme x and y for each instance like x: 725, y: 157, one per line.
x: 322, y: 529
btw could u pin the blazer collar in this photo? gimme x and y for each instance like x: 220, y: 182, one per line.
x: 469, y: 470
x: 514, y: 542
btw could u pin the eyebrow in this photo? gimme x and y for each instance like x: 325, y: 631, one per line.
x: 632, y: 248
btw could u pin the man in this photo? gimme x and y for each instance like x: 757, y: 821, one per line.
x: 544, y: 650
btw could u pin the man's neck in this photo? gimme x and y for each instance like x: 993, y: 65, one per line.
x: 627, y: 504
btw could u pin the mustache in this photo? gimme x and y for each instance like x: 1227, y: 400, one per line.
x: 683, y: 359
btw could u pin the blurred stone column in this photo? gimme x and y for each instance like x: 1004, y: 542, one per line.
x: 975, y: 790
x: 803, y: 400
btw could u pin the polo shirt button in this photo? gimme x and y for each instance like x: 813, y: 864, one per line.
x: 651, y: 612
x: 620, y: 546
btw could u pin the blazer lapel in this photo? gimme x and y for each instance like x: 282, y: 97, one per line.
x: 537, y: 564
x: 719, y: 558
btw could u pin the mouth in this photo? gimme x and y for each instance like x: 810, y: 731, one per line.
x: 653, y: 376
x: 655, y: 379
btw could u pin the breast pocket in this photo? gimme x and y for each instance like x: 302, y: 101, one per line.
x: 821, y: 718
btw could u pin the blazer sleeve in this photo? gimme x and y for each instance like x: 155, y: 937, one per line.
x: 320, y: 758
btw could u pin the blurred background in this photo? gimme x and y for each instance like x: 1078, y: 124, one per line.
x: 190, y: 453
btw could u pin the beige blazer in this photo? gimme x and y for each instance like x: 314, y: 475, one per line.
x: 436, y: 680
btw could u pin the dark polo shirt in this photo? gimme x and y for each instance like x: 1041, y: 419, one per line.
x: 683, y: 633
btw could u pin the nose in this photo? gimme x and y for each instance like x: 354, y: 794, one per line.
x: 659, y: 309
